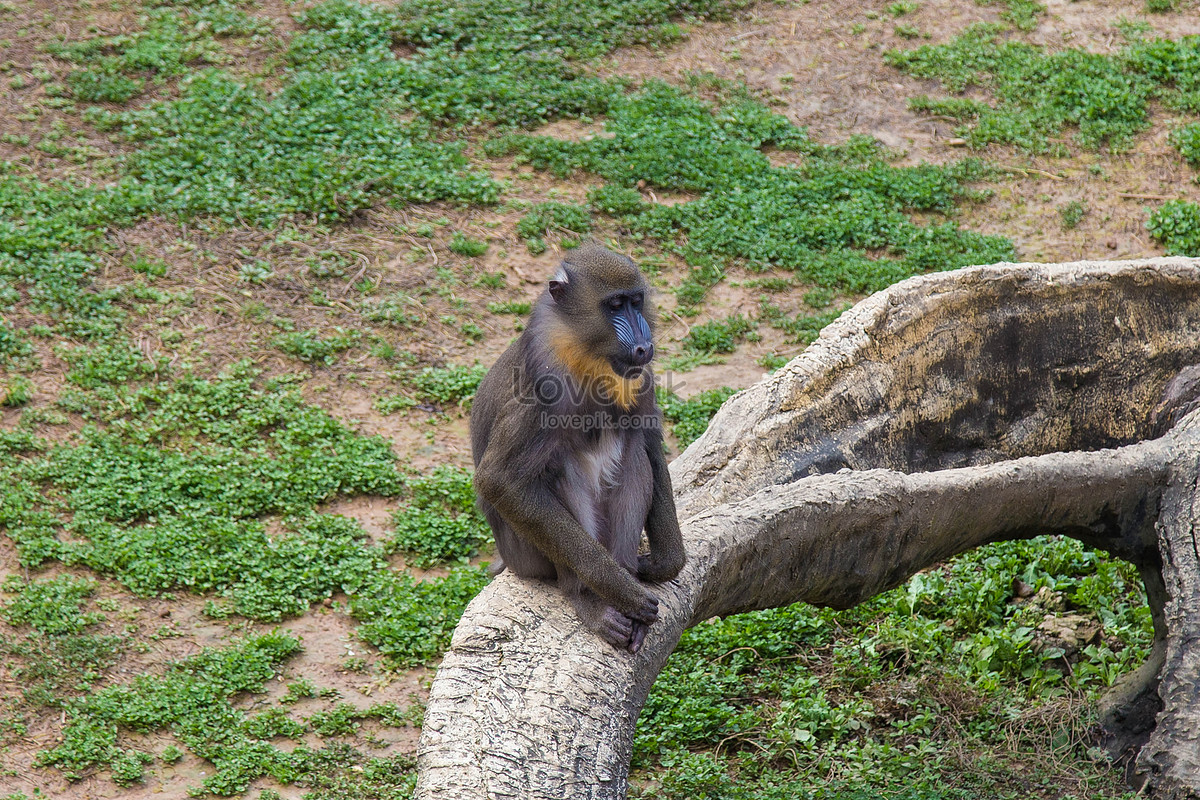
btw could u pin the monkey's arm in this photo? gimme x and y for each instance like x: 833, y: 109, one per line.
x: 537, y: 515
x: 662, y: 525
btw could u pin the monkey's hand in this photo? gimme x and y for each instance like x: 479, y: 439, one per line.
x: 640, y: 623
x: 655, y: 568
x: 644, y: 609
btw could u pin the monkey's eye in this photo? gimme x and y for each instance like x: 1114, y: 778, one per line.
x: 615, y: 303
x: 636, y: 301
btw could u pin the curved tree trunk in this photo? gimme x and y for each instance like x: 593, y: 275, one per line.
x: 1168, y: 765
x: 946, y: 412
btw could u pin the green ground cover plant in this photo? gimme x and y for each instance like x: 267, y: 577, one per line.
x: 853, y: 695
x: 330, y: 143
x: 718, y: 336
x: 1187, y: 140
x: 1022, y: 14
x: 192, y: 698
x: 113, y: 68
x: 466, y: 246
x: 411, y: 622
x: 448, y: 385
x: 50, y: 605
x: 800, y: 328
x: 689, y: 418
x: 332, y: 140
x: 339, y: 772
x: 1176, y: 223
x: 1040, y: 94
x: 312, y: 347
x: 439, y: 523
x: 47, y: 230
x: 514, y: 64
x: 12, y: 343
x: 818, y: 218
x: 548, y: 216
x: 16, y: 391
x: 52, y: 667
x: 1072, y: 213
x: 518, y: 308
x: 706, y: 342
x: 174, y: 494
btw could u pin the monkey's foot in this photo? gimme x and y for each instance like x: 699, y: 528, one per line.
x: 617, y: 629
x: 647, y: 612
x: 611, y: 625
x: 640, y: 622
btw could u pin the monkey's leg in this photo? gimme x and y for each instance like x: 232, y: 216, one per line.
x: 515, y: 553
x: 586, y: 500
x: 540, y: 516
x: 626, y: 508
x: 525, y: 560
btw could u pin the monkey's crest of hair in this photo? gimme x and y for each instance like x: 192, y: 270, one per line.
x: 602, y: 266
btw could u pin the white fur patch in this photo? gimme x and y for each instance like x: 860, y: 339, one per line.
x: 561, y: 276
x: 602, y: 463
x: 588, y: 475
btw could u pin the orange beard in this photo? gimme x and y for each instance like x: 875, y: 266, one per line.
x: 591, y: 370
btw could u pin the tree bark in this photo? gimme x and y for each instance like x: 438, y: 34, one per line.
x: 1168, y: 765
x: 946, y: 412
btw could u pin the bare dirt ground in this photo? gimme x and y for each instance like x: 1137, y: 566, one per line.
x: 821, y: 64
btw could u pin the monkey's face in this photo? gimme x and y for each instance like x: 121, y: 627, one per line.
x: 634, y: 346
x: 602, y: 315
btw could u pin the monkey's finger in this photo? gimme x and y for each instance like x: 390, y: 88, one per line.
x: 638, y: 636
x: 647, y: 612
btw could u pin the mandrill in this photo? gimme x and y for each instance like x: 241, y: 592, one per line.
x: 567, y: 441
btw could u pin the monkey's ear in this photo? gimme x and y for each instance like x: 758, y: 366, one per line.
x: 558, y: 284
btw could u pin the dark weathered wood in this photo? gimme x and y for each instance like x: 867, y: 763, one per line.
x: 1169, y: 763
x: 948, y: 411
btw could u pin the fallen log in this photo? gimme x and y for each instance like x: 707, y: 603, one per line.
x: 943, y: 413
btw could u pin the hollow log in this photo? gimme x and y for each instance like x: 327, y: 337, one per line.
x: 943, y: 413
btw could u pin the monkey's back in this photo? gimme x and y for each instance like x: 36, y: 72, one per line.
x: 496, y: 388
